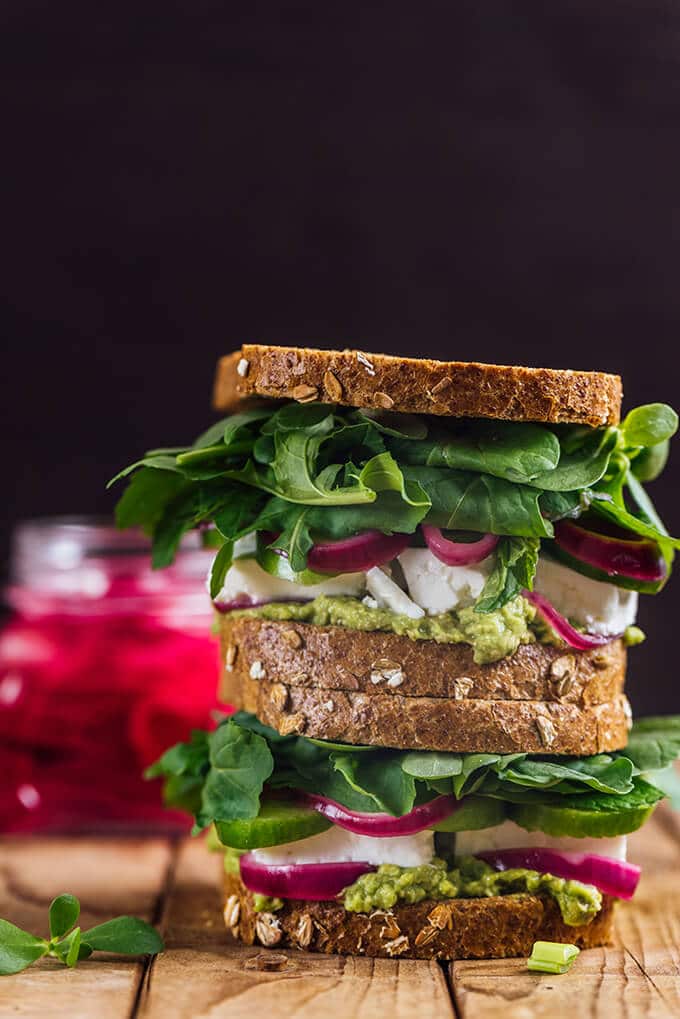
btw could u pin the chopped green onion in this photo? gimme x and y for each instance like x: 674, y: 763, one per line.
x: 551, y: 957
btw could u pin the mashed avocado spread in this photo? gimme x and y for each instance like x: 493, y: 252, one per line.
x: 492, y: 635
x: 469, y: 879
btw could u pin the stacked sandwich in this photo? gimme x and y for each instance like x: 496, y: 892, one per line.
x: 426, y: 581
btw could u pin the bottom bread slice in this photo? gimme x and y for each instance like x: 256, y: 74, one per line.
x: 491, y: 928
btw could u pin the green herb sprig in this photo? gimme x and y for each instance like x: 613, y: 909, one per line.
x: 124, y: 935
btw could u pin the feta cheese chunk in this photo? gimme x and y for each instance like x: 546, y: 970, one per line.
x: 389, y: 595
x: 437, y: 587
x: 601, y: 608
x: 247, y: 582
x: 338, y: 846
x: 509, y: 835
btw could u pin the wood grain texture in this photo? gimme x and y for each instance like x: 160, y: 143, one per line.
x: 204, y: 975
x: 639, y: 976
x: 110, y: 878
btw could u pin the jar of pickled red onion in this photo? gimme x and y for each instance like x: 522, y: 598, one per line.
x: 104, y: 663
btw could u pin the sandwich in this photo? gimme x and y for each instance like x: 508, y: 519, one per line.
x: 425, y: 581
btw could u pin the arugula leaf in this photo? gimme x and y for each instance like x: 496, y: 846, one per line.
x: 240, y: 763
x: 403, y: 426
x: 513, y: 571
x: 649, y: 425
x: 18, y: 949
x: 64, y: 911
x: 220, y: 567
x: 148, y: 493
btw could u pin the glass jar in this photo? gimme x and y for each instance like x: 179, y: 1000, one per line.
x: 104, y: 663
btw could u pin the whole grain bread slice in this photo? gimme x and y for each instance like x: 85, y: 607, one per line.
x: 338, y: 658
x: 494, y: 928
x: 417, y: 386
x: 438, y: 723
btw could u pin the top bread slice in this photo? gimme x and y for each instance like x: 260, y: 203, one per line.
x: 417, y: 386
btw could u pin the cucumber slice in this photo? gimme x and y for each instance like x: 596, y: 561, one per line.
x: 277, y: 823
x: 474, y: 813
x: 557, y: 820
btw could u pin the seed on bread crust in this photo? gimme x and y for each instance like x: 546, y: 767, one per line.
x: 232, y: 912
x: 398, y: 946
x: 440, y: 917
x: 268, y: 929
x: 279, y: 696
x: 305, y: 394
x: 364, y: 361
x: 303, y: 931
x: 242, y: 367
x: 230, y: 657
x: 425, y: 936
x: 442, y: 385
x: 333, y: 386
x: 546, y: 730
x: 293, y: 725
x: 257, y: 670
x: 383, y: 400
x: 462, y: 688
x: 293, y: 638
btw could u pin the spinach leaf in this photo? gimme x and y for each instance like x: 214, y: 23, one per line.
x: 379, y: 777
x: 581, y: 468
x: 603, y: 773
x: 462, y: 501
x: 514, y: 570
x: 240, y: 763
x: 431, y: 765
x: 513, y: 451
x: 654, y: 742
x: 191, y: 758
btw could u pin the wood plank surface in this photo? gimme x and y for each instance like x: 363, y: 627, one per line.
x: 204, y: 975
x: 110, y: 877
x: 638, y: 977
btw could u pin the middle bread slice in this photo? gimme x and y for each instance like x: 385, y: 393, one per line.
x: 381, y: 689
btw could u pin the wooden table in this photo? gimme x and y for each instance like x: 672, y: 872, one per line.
x: 203, y: 975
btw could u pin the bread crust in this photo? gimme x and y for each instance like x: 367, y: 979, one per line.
x: 418, y: 386
x: 494, y: 928
x: 438, y: 723
x: 339, y: 658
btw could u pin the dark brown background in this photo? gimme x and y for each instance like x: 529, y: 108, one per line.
x: 484, y: 180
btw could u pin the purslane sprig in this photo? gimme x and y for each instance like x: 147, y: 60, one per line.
x: 124, y: 935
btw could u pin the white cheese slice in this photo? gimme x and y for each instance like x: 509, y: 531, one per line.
x: 246, y: 581
x: 509, y: 835
x: 437, y: 587
x: 338, y: 846
x: 601, y: 608
x: 389, y: 595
